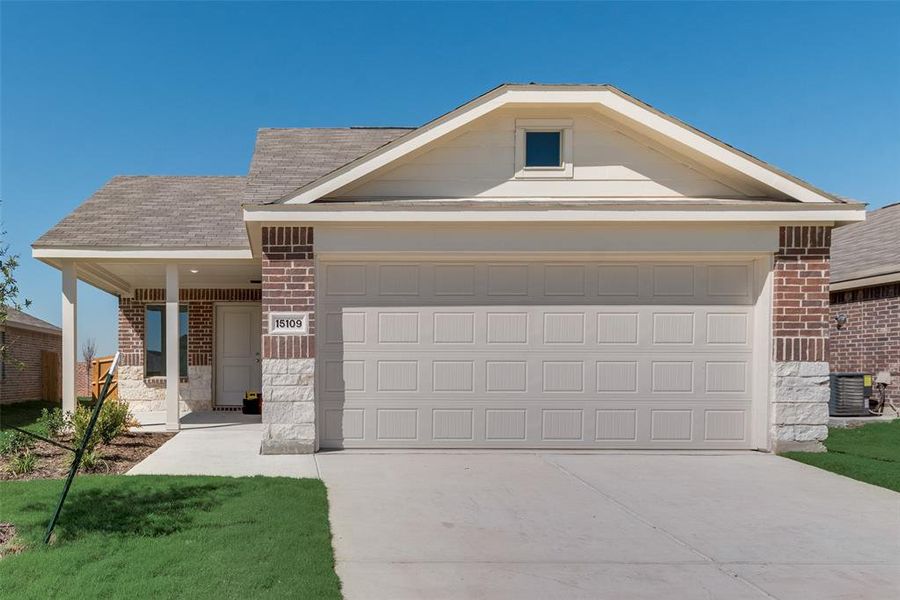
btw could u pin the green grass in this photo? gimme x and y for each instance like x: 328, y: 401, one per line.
x: 171, y: 537
x: 24, y: 415
x: 870, y: 453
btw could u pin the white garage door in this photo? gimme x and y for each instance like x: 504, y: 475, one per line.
x: 535, y: 354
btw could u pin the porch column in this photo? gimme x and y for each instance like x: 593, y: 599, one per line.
x: 69, y: 334
x: 172, y: 346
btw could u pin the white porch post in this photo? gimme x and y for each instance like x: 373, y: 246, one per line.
x: 69, y: 334
x: 172, y: 346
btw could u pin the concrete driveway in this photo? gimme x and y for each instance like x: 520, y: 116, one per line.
x: 605, y: 525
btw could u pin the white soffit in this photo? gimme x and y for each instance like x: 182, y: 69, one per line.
x: 609, y: 100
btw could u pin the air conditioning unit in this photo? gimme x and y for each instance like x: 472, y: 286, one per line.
x: 850, y: 394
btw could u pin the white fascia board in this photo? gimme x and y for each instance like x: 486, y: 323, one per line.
x: 555, y: 216
x: 862, y: 282
x: 731, y: 158
x: 615, y: 101
x: 391, y: 152
x: 140, y: 253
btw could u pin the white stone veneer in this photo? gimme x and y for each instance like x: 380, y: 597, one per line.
x: 799, y: 415
x: 150, y: 395
x: 289, y: 409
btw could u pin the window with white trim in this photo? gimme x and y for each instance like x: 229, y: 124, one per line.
x: 544, y: 149
x: 155, y: 340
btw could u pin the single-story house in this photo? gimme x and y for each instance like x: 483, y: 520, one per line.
x: 546, y: 266
x: 30, y: 370
x: 865, y: 297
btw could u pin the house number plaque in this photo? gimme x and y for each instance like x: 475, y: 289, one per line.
x: 288, y: 323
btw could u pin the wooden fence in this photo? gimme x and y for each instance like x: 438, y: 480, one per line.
x: 99, y: 368
x: 51, y: 388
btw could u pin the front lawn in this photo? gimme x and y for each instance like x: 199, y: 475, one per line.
x: 870, y: 453
x: 24, y: 415
x: 52, y: 462
x: 170, y: 537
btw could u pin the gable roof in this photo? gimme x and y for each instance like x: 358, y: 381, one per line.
x: 17, y: 318
x: 156, y: 211
x: 614, y: 102
x: 287, y: 159
x: 868, y: 249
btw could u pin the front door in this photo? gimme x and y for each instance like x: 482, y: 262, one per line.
x: 238, y: 362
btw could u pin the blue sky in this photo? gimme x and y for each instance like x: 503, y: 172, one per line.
x: 94, y: 90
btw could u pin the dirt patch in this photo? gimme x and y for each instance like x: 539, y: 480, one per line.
x: 118, y: 457
x: 7, y: 532
x: 8, y: 543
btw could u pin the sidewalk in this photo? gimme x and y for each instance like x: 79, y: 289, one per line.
x: 218, y: 443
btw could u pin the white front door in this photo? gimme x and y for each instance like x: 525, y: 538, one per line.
x: 238, y: 365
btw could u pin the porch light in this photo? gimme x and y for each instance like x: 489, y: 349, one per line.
x: 841, y: 320
x: 194, y: 271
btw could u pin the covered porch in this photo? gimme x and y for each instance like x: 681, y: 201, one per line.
x: 195, y: 313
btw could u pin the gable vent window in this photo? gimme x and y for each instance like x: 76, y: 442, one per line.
x: 544, y: 149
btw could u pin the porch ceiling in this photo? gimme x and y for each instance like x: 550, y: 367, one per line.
x: 122, y: 278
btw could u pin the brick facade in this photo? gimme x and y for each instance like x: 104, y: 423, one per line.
x: 800, y: 321
x: 800, y: 304
x: 196, y: 392
x: 288, y: 365
x: 82, y: 379
x: 25, y: 346
x: 288, y: 269
x: 870, y: 339
x: 201, y: 314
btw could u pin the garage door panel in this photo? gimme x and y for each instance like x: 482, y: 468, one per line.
x: 508, y: 424
x: 582, y: 375
x: 530, y: 354
x: 594, y: 377
x: 608, y: 283
x: 385, y: 329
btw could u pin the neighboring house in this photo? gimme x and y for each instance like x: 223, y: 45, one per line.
x: 546, y: 266
x: 31, y: 371
x: 865, y: 290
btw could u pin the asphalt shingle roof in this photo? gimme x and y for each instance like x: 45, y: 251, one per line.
x: 16, y: 317
x: 868, y: 248
x: 156, y: 211
x: 287, y: 159
x: 186, y: 211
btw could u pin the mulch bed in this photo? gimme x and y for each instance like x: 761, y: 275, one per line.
x: 118, y: 457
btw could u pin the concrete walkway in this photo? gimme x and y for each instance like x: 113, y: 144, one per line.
x: 217, y: 443
x: 517, y: 525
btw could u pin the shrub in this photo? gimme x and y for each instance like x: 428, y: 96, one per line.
x: 90, y: 461
x: 23, y: 463
x: 113, y: 420
x: 15, y: 443
x: 53, y: 421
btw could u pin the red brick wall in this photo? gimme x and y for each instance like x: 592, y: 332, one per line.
x: 800, y: 313
x: 200, y: 303
x: 25, y: 348
x: 289, y: 284
x: 82, y: 379
x: 870, y: 339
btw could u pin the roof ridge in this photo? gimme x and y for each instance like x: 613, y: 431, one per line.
x: 145, y: 176
x: 342, y: 128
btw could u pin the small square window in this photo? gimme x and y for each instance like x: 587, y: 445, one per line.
x: 543, y: 148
